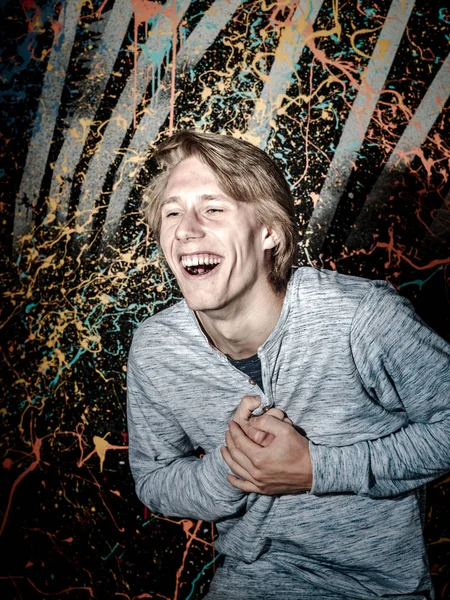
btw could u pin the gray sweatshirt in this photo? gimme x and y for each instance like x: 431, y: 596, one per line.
x: 351, y: 364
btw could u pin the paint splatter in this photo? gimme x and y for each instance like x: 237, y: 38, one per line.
x: 352, y: 100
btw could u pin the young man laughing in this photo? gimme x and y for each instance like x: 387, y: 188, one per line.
x: 321, y: 400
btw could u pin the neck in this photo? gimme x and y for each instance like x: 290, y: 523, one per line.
x: 240, y: 330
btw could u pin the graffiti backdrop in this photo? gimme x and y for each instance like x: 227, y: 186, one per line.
x: 350, y: 96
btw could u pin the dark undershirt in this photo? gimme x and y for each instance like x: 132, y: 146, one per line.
x: 250, y: 366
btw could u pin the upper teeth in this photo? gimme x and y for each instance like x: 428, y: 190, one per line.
x: 199, y: 259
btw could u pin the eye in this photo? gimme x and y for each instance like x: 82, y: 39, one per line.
x: 214, y: 210
x: 172, y: 213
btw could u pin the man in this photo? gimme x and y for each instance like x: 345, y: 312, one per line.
x: 321, y: 496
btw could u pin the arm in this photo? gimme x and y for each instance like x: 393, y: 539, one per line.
x: 405, y: 365
x: 169, y: 478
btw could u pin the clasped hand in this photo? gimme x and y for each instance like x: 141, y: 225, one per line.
x: 266, y: 453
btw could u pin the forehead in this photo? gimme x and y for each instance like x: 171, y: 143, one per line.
x: 191, y: 177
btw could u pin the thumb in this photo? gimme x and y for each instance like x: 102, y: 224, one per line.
x: 246, y: 406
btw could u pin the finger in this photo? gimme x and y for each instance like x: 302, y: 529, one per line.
x: 270, y: 424
x: 234, y: 466
x: 239, y: 442
x: 238, y: 456
x: 246, y: 406
x: 275, y: 412
x: 245, y: 486
x: 259, y: 437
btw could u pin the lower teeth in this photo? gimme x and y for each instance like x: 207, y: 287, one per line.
x: 200, y: 270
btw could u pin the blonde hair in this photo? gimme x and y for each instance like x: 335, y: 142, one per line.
x: 246, y: 174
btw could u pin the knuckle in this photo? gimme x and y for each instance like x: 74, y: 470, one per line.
x: 277, y: 413
x: 258, y: 462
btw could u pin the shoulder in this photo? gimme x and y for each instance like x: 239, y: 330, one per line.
x: 161, y: 330
x: 319, y: 288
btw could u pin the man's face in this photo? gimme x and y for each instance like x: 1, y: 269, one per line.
x: 214, y: 245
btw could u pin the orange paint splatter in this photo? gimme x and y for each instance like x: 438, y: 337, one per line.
x: 144, y: 11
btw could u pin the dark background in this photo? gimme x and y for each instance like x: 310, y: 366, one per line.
x: 87, y: 92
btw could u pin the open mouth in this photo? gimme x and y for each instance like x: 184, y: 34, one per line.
x: 200, y: 264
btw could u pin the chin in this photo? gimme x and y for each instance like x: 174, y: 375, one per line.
x: 201, y: 304
x: 199, y: 299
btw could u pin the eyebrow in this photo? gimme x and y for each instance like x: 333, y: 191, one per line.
x: 203, y: 198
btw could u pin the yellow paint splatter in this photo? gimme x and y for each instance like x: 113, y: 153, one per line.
x: 383, y: 45
x: 101, y: 446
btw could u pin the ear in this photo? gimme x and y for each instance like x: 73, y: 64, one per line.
x: 272, y: 237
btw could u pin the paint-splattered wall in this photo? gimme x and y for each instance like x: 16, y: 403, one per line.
x: 350, y: 96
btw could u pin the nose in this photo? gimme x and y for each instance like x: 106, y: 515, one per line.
x: 189, y: 227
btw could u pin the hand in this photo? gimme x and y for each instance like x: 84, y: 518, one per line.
x: 244, y: 418
x: 281, y: 467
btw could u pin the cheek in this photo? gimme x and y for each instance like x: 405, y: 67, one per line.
x: 165, y: 240
x: 247, y: 245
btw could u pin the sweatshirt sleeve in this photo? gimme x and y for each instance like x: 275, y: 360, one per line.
x: 397, y: 357
x: 169, y: 478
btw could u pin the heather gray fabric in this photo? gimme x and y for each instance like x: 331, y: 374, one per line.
x: 351, y: 364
